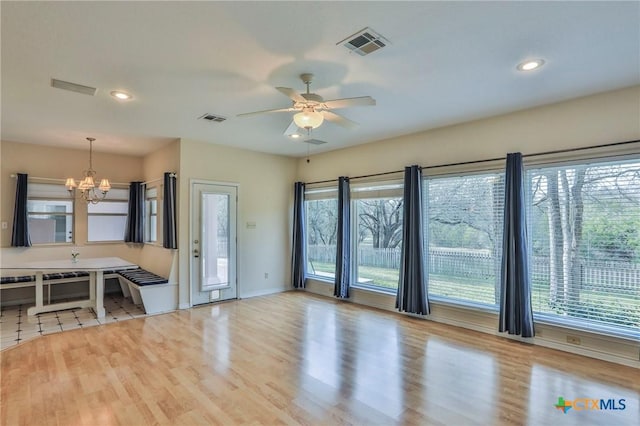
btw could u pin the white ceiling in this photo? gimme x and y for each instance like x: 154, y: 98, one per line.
x: 448, y: 62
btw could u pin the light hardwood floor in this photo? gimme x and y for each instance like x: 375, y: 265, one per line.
x: 295, y: 358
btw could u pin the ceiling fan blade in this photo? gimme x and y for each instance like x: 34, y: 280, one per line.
x: 292, y: 129
x: 247, y: 114
x: 339, y: 120
x: 349, y: 102
x: 291, y: 94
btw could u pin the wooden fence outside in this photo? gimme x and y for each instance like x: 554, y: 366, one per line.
x: 596, y: 275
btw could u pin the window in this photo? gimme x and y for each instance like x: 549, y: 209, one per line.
x: 584, y: 227
x: 464, y: 228
x: 50, y: 213
x: 377, y: 234
x: 321, y: 209
x: 107, y: 220
x: 151, y: 213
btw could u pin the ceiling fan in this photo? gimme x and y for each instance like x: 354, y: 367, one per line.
x: 311, y: 109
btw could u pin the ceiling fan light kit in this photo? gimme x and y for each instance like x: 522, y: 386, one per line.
x: 308, y: 119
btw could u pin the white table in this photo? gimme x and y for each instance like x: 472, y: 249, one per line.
x: 95, y: 267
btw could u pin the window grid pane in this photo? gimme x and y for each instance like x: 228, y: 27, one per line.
x: 322, y: 227
x: 378, y: 241
x: 50, y: 214
x: 464, y: 228
x: 584, y: 227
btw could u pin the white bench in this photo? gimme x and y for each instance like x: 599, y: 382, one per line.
x: 153, y: 291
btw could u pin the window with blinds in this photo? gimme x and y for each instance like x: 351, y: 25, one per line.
x: 107, y: 220
x: 321, y: 210
x: 464, y: 244
x: 376, y: 234
x: 50, y: 213
x: 584, y: 227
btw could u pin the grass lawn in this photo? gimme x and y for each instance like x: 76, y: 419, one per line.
x: 593, y: 305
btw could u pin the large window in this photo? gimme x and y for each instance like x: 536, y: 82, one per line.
x: 321, y: 209
x: 464, y: 228
x: 585, y: 236
x: 377, y: 234
x: 107, y: 220
x: 50, y: 212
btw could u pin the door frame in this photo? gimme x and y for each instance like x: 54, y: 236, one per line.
x: 192, y: 183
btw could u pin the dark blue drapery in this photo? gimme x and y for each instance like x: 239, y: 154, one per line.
x: 169, y: 228
x: 298, y: 267
x: 343, y: 249
x: 20, y: 235
x: 134, y: 230
x: 516, y: 316
x: 412, y: 284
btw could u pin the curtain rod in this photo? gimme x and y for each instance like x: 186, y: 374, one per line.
x: 559, y: 151
x: 173, y: 174
x: 13, y: 176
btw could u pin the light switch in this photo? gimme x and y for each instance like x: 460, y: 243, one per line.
x: 5, y: 225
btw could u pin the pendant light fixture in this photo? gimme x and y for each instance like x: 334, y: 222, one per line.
x: 87, y: 186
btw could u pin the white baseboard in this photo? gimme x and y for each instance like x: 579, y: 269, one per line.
x: 262, y: 292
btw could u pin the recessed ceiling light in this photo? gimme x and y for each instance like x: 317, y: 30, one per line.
x: 123, y: 96
x: 530, y: 65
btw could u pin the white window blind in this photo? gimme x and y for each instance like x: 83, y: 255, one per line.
x: 464, y: 228
x: 107, y: 220
x: 50, y: 213
x: 584, y: 222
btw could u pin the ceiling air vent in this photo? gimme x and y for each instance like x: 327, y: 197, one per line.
x: 314, y: 141
x: 364, y: 42
x: 214, y: 118
x: 73, y: 87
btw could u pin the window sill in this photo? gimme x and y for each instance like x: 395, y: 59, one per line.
x: 320, y: 279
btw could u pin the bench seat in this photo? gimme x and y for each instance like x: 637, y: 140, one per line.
x: 151, y: 291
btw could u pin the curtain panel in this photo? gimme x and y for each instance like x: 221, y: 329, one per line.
x: 298, y: 261
x: 169, y: 227
x: 412, y: 284
x: 516, y: 316
x: 134, y: 230
x: 20, y: 235
x: 343, y: 248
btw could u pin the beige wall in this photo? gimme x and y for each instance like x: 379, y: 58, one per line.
x: 58, y: 163
x: 264, y: 193
x: 592, y: 120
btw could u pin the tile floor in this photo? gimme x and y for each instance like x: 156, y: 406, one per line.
x: 16, y: 327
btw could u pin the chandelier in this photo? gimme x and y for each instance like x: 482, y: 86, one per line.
x: 87, y: 186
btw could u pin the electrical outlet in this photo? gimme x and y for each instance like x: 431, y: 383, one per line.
x: 574, y: 340
x: 5, y: 225
x: 266, y: 275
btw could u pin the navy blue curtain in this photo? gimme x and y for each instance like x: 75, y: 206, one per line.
x: 298, y: 261
x: 134, y: 230
x: 343, y: 248
x: 169, y: 226
x: 516, y: 316
x: 412, y: 284
x: 20, y: 236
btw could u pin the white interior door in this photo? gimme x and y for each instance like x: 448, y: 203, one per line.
x: 213, y: 242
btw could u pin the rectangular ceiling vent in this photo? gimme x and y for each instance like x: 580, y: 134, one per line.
x: 315, y: 141
x: 364, y: 42
x: 73, y: 87
x: 214, y: 118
